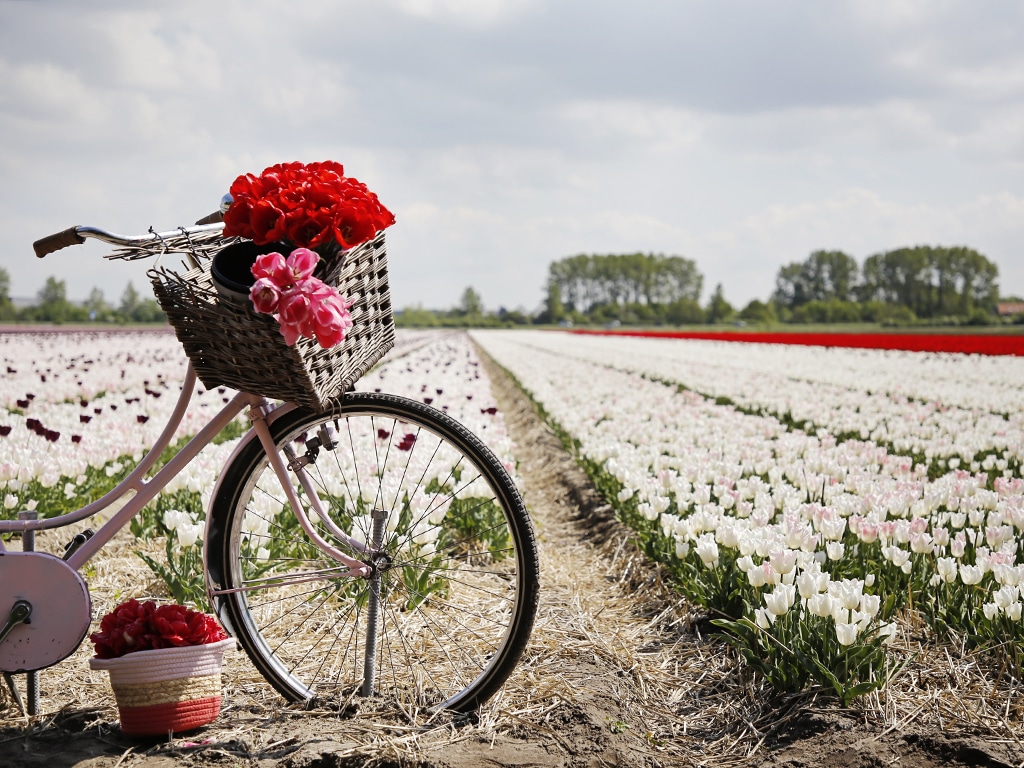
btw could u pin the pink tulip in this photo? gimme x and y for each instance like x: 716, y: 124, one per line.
x: 329, y: 335
x: 317, y: 290
x: 301, y: 264
x: 331, y: 318
x: 273, y: 267
x: 291, y: 333
x: 265, y: 295
x: 294, y: 307
x: 305, y: 305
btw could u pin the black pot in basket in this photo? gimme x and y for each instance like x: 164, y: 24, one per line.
x: 231, y: 268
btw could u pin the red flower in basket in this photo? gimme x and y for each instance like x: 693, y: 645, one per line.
x: 309, y: 206
x: 306, y: 204
x: 135, y: 626
x: 164, y: 664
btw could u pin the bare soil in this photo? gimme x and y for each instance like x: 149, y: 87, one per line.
x: 619, y: 673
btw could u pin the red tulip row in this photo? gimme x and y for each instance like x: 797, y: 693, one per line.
x: 969, y: 344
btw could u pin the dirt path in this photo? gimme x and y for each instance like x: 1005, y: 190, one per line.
x: 613, y: 677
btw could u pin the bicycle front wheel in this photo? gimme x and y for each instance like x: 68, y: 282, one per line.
x: 447, y: 608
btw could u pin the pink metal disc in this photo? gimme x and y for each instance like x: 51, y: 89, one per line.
x: 61, y: 610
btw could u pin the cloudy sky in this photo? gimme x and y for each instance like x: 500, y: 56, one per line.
x: 505, y: 134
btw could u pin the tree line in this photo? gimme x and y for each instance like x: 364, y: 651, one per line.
x: 924, y: 282
x: 588, y: 281
x: 634, y: 287
x: 52, y: 306
x: 931, y: 285
x: 935, y: 285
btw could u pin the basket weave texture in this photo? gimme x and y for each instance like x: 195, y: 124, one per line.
x: 232, y: 345
x: 167, y: 690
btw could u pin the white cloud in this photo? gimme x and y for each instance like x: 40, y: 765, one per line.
x: 999, y: 137
x: 860, y: 222
x: 900, y: 15
x: 146, y: 54
x: 508, y: 133
x: 467, y: 12
x: 662, y: 129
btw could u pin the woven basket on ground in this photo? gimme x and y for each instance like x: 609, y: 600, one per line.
x: 168, y: 690
x: 231, y: 345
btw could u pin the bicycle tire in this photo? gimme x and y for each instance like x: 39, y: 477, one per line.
x: 458, y: 578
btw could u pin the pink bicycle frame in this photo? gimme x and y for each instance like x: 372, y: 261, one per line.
x: 262, y: 414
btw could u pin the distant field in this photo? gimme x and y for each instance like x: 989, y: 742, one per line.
x: 82, y: 328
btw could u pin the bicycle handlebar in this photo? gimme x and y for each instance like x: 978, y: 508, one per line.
x: 213, y: 218
x: 55, y: 242
x: 78, y: 235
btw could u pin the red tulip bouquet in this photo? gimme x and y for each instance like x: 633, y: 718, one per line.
x: 135, y: 626
x: 308, y: 205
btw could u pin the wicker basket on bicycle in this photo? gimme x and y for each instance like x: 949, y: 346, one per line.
x: 231, y: 345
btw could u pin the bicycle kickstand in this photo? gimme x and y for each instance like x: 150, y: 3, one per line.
x: 9, y: 679
x: 20, y: 613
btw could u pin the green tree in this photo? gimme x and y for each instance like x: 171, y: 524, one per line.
x: 554, y: 310
x: 684, y: 311
x: 978, y: 280
x: 759, y: 313
x: 417, y: 317
x: 901, y: 276
x: 129, y: 302
x: 148, y: 311
x: 586, y: 281
x: 96, y: 305
x: 719, y: 310
x: 52, y: 302
x: 471, y: 305
x: 135, y: 309
x: 513, y: 317
x: 824, y: 276
x: 6, y: 305
x: 931, y: 281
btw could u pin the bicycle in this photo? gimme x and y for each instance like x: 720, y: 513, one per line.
x: 356, y: 543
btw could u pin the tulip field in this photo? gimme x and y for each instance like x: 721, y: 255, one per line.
x: 79, y: 411
x: 815, y: 502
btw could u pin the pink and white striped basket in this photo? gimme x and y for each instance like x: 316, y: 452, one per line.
x: 168, y: 690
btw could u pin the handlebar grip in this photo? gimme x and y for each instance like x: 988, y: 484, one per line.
x: 52, y: 243
x: 213, y: 218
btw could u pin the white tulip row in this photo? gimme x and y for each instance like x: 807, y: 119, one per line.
x: 964, y: 408
x: 715, y: 476
x: 447, y: 375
